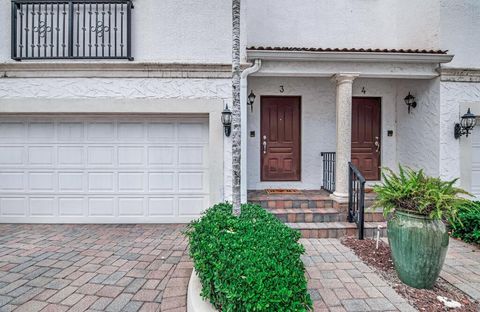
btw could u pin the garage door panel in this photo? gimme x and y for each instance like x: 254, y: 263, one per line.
x: 70, y: 156
x: 42, y: 206
x: 191, y: 132
x: 12, y: 130
x: 161, y: 181
x: 71, y: 207
x: 41, y: 155
x: 161, y: 156
x: 190, y: 206
x: 191, y: 181
x: 101, y: 182
x: 41, y: 181
x: 100, y: 131
x: 12, y: 181
x: 161, y: 206
x: 70, y: 131
x: 103, y: 169
x: 101, y: 207
x: 70, y: 181
x: 191, y: 155
x: 131, y: 207
x: 41, y: 131
x: 475, y: 165
x: 13, y: 207
x: 129, y: 131
x: 161, y: 131
x: 131, y: 181
x: 101, y: 156
x: 131, y: 156
x: 11, y: 155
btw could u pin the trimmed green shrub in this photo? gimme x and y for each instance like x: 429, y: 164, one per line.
x: 248, y: 263
x: 468, y: 226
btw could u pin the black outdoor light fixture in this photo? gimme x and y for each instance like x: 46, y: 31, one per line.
x: 467, y: 123
x: 251, y: 100
x: 410, y: 101
x: 227, y: 120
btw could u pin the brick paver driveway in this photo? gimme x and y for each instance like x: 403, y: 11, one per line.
x: 93, y: 267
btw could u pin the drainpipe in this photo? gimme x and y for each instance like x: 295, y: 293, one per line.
x: 244, y: 125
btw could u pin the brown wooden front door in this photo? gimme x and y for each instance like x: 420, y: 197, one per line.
x: 366, y: 121
x: 280, y: 138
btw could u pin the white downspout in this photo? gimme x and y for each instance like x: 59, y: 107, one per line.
x: 244, y: 125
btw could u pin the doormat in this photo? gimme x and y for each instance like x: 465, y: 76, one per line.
x: 283, y: 191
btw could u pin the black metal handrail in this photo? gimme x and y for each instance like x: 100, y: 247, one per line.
x: 356, y: 198
x: 328, y: 161
x: 77, y: 29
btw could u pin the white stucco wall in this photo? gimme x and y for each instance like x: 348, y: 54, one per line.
x: 166, y: 31
x: 456, y: 98
x: 344, y: 23
x: 459, y: 32
x: 418, y: 132
x: 318, y: 123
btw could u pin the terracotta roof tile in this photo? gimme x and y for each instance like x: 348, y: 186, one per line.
x: 299, y: 49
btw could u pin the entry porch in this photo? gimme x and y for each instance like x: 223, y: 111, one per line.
x: 315, y: 113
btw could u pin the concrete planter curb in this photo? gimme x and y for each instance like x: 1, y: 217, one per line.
x: 195, y: 302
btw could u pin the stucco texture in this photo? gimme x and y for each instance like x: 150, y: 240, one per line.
x: 456, y: 97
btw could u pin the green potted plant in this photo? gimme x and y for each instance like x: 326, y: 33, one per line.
x: 417, y: 207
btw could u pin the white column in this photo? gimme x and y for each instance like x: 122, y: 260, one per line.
x: 344, y: 133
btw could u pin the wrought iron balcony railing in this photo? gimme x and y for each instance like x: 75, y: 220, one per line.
x: 80, y: 29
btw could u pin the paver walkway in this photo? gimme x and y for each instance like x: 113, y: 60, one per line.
x: 147, y: 268
x: 340, y: 281
x: 94, y: 267
x: 462, y: 268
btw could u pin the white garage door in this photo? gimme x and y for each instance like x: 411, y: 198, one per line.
x: 476, y: 162
x: 103, y: 169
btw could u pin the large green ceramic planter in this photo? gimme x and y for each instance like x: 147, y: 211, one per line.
x: 419, y: 246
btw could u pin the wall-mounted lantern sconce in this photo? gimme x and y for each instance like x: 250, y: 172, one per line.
x: 410, y: 101
x: 251, y: 100
x: 227, y: 120
x: 466, y: 125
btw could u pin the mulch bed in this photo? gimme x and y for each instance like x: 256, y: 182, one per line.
x: 422, y: 299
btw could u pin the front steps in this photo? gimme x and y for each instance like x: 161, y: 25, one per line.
x: 316, y: 215
x: 337, y: 229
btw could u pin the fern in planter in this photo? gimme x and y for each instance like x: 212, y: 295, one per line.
x: 416, y: 193
x: 416, y: 232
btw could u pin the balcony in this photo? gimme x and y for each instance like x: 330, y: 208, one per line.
x: 81, y: 29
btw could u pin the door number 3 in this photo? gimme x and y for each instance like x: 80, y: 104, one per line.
x: 282, y: 89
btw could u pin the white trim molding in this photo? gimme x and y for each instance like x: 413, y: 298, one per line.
x: 116, y: 69
x: 460, y: 74
x: 366, y: 64
x: 384, y: 57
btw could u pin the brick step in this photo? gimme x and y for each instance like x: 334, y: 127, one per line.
x: 309, y: 215
x: 294, y: 204
x: 337, y: 229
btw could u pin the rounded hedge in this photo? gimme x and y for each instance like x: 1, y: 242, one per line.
x: 248, y: 263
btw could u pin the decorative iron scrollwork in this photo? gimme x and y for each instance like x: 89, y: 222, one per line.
x: 100, y: 29
x: 42, y: 29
